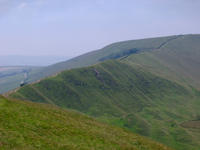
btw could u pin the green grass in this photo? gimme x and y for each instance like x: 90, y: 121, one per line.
x: 29, y: 126
x: 194, y: 124
x: 178, y: 60
x: 126, y: 96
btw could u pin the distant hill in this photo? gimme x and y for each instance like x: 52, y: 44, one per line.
x: 12, y: 76
x: 113, y: 51
x: 126, y: 95
x: 174, y: 57
x: 26, y: 60
x: 26, y: 125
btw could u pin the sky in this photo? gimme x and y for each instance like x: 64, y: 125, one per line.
x: 73, y: 27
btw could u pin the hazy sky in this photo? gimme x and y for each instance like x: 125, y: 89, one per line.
x: 73, y: 27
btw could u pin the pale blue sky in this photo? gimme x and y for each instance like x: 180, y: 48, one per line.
x: 73, y: 27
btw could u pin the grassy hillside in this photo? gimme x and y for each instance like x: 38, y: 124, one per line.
x: 112, y: 51
x: 29, y: 126
x: 127, y: 96
x: 178, y: 60
x: 174, y: 57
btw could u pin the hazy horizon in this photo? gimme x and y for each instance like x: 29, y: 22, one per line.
x: 70, y: 28
x: 27, y: 60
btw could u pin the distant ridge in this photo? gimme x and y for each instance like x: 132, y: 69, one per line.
x: 168, y: 57
x: 103, y: 54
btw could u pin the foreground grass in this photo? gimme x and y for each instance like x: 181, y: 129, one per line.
x: 25, y: 125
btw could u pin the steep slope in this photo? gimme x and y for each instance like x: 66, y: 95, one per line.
x: 26, y: 125
x: 127, y: 96
x: 178, y: 60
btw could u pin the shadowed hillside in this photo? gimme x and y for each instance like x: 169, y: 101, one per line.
x: 126, y: 96
x: 26, y: 125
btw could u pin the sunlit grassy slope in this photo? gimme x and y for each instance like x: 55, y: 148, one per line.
x: 127, y: 96
x: 29, y: 126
